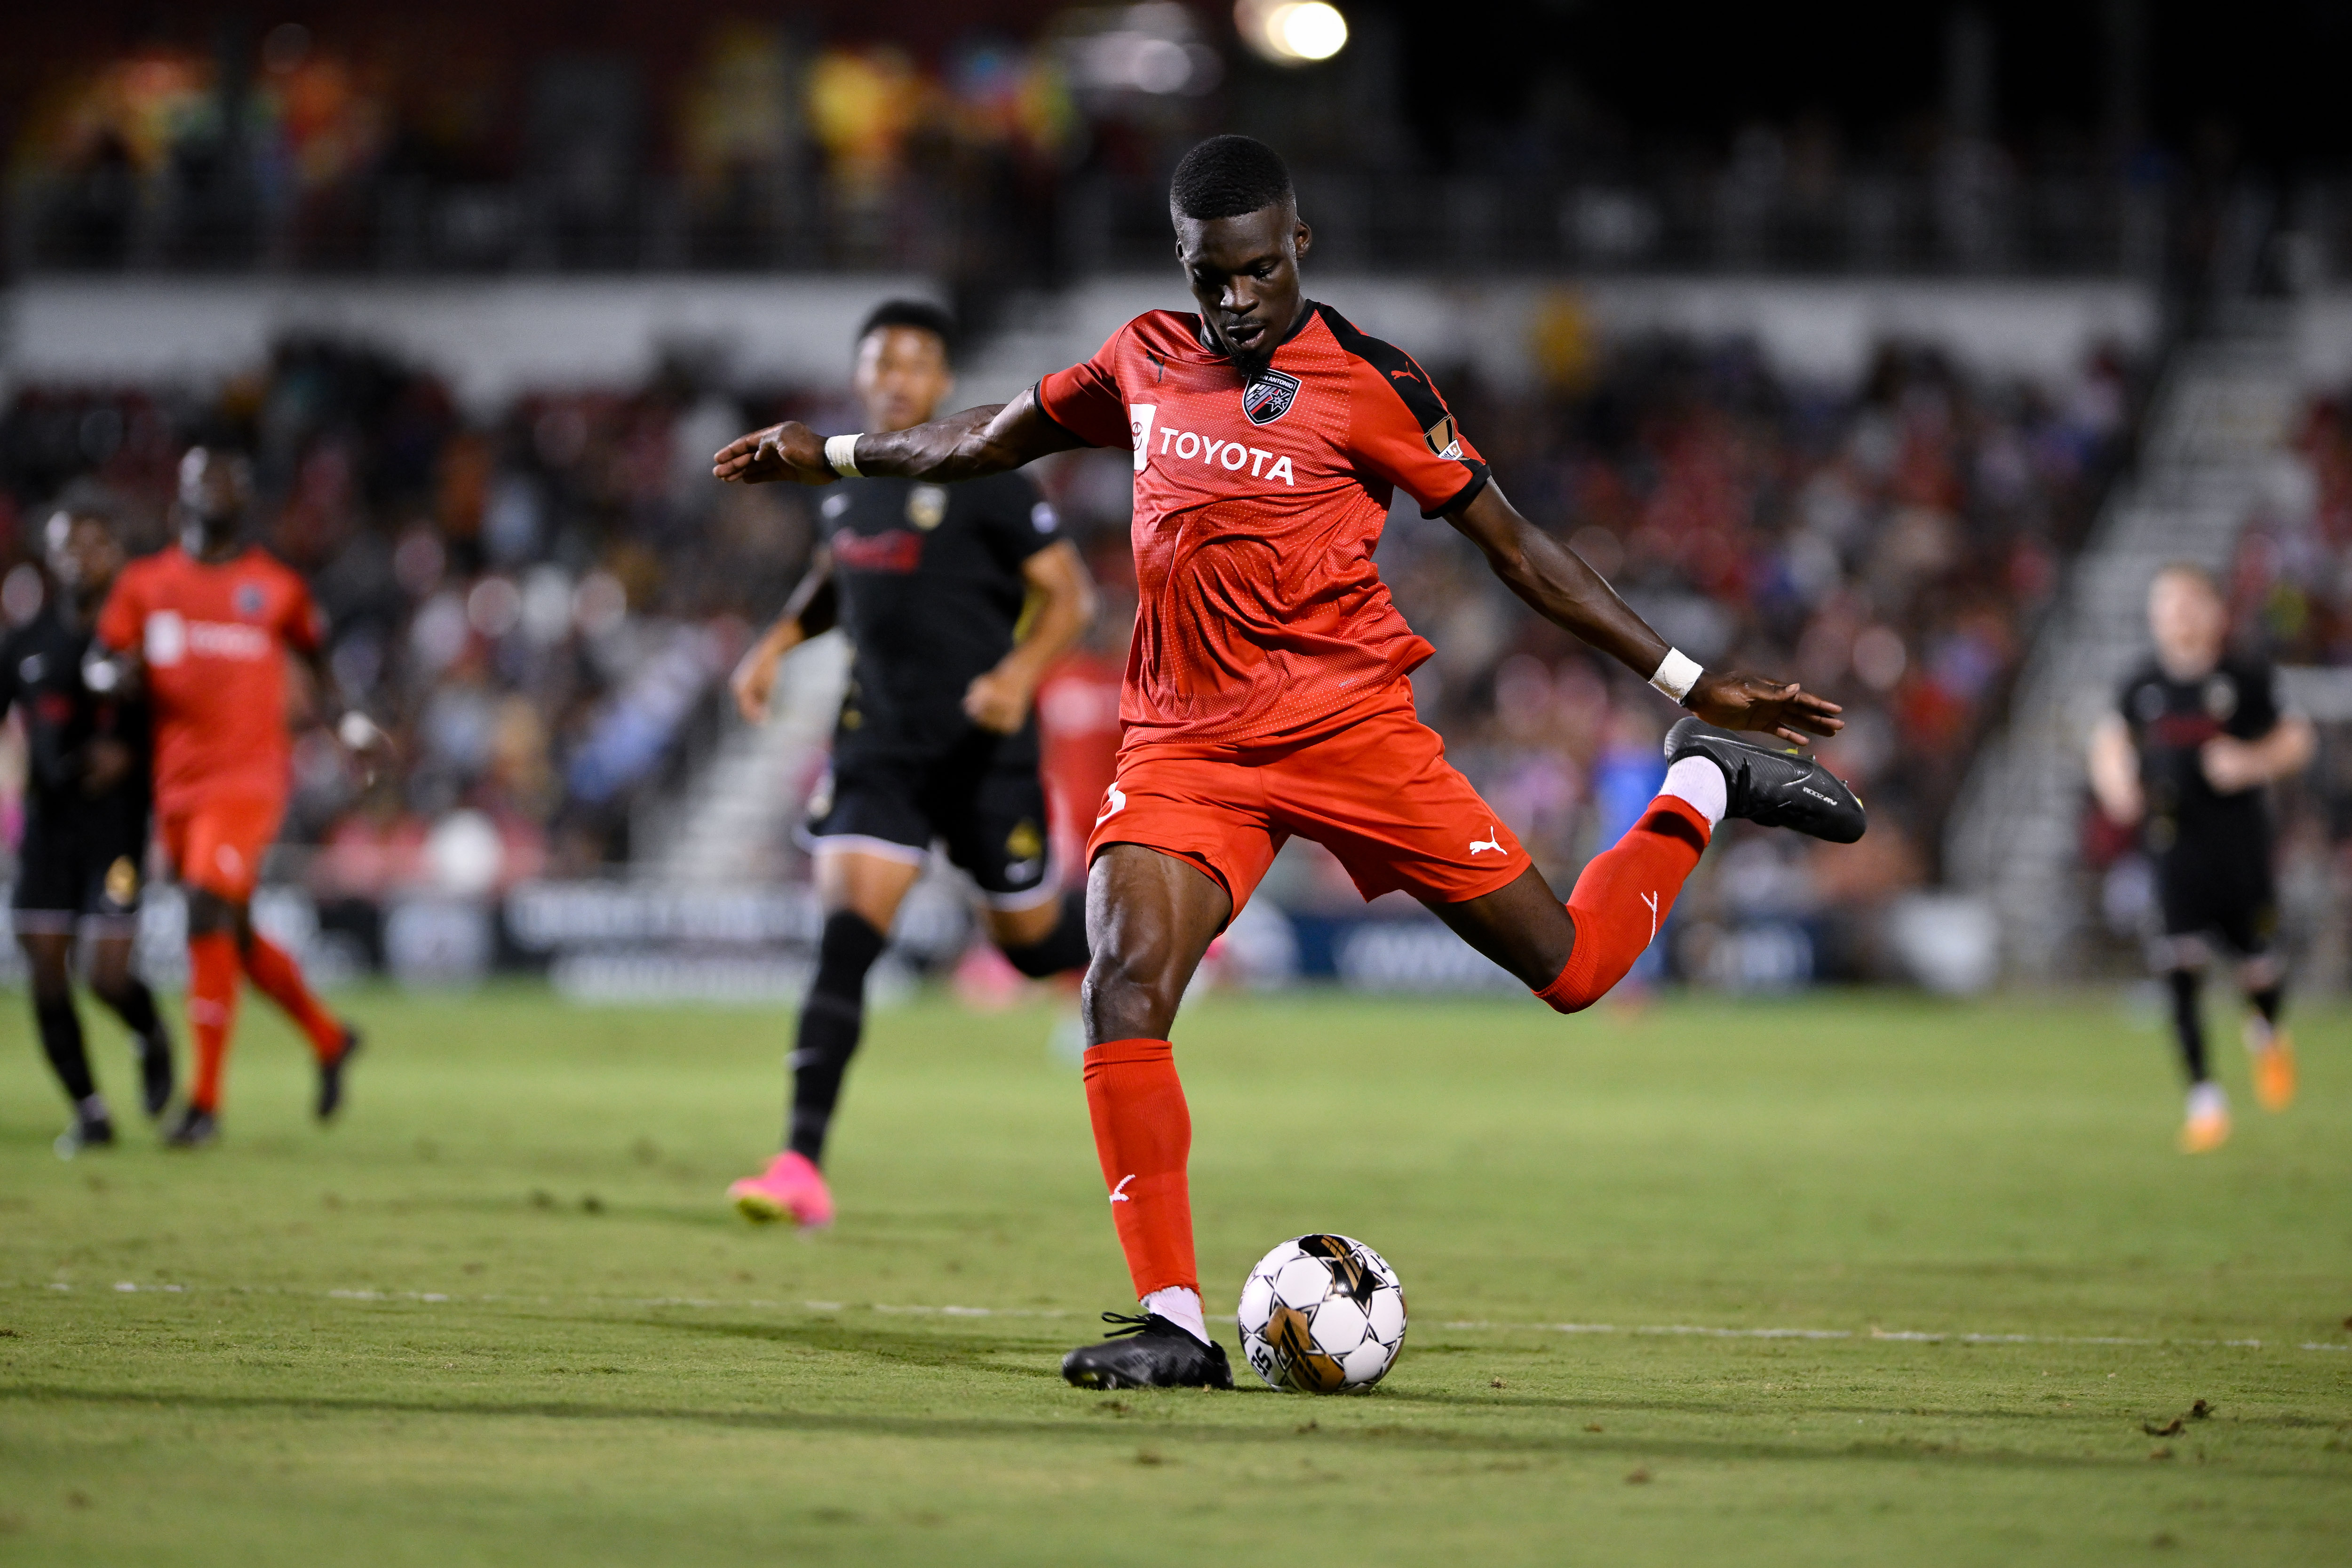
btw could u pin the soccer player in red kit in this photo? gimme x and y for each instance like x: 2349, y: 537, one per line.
x: 1266, y: 692
x: 208, y: 625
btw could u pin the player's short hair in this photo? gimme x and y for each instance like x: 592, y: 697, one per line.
x: 1226, y: 176
x: 87, y: 497
x: 2190, y: 570
x: 920, y: 314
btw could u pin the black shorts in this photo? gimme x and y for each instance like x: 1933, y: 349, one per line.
x: 2222, y: 886
x: 990, y: 814
x: 78, y: 871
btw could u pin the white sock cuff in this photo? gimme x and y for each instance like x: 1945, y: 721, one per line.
x: 1181, y: 1308
x: 1702, y: 784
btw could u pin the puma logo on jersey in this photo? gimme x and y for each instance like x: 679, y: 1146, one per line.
x: 1231, y: 456
x: 1493, y: 840
x: 1119, y: 1193
x: 1114, y: 801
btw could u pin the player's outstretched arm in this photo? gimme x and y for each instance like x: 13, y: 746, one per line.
x: 1557, y: 584
x: 973, y: 445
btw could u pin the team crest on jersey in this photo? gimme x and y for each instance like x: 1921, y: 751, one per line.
x: 1269, y: 397
x: 248, y: 599
x: 1443, y: 438
x: 927, y: 507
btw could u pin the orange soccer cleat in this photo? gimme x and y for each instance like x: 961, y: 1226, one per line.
x: 2208, y: 1126
x: 792, y: 1185
x: 2271, y: 1051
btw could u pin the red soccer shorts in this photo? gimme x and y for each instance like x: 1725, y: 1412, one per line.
x: 218, y: 843
x: 1375, y: 790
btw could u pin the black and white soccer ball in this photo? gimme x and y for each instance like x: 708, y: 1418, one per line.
x: 1322, y: 1314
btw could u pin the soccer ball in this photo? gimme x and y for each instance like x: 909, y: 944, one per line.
x: 1322, y: 1314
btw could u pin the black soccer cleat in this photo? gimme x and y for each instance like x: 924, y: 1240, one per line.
x: 91, y: 1130
x: 330, y: 1074
x: 194, y: 1130
x: 1148, y: 1352
x: 1771, y: 782
x: 155, y: 1072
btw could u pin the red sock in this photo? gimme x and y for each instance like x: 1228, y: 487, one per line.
x: 1624, y: 896
x: 273, y: 969
x: 212, y: 1012
x: 1142, y: 1135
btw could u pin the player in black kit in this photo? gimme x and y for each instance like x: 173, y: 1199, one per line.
x: 935, y: 739
x: 86, y: 798
x: 2195, y: 736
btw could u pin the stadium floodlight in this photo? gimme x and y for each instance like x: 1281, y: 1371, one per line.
x: 1291, y: 32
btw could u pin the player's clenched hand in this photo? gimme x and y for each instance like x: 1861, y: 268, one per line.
x: 754, y: 680
x: 105, y: 762
x: 367, y: 742
x: 788, y: 451
x: 997, y: 701
x: 1739, y: 702
x: 2231, y: 765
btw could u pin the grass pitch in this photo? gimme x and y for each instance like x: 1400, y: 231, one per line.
x: 502, y: 1315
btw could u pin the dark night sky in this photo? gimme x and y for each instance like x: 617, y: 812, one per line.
x: 2270, y: 70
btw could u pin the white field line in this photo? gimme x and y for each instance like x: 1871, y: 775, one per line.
x: 1904, y: 1336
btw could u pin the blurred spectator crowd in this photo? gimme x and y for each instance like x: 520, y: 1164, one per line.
x: 466, y: 140
x: 537, y: 604
x: 1892, y: 546
x: 541, y: 605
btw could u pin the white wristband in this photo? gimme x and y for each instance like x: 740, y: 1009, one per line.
x: 357, y: 730
x: 1676, y: 674
x: 841, y: 451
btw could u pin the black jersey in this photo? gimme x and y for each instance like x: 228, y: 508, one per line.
x: 40, y: 677
x: 929, y: 586
x: 2170, y: 721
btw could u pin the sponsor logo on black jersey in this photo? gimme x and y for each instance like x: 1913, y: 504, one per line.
x: 1269, y: 397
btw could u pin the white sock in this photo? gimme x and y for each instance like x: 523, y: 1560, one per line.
x: 1701, y: 783
x: 2206, y: 1099
x: 1181, y: 1308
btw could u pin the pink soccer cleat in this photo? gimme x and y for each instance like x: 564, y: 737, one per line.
x: 792, y: 1185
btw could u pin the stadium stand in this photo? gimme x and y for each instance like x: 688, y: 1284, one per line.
x: 539, y: 602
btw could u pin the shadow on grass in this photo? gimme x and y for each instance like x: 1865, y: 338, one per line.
x: 920, y: 1350
x: 1121, y: 1435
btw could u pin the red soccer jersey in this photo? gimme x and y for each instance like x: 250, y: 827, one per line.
x: 1257, y: 510
x: 214, y: 639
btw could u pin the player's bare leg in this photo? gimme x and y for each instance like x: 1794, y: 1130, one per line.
x: 1149, y: 917
x: 1522, y: 926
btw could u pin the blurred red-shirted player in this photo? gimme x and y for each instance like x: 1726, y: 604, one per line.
x: 1077, y: 733
x: 208, y: 625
